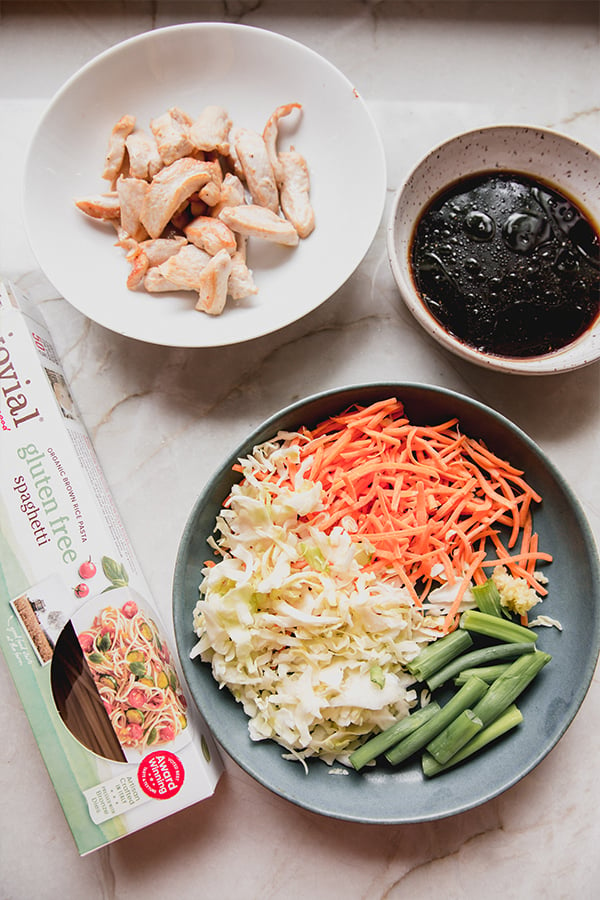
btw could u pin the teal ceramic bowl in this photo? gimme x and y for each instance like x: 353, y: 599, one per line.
x: 384, y: 795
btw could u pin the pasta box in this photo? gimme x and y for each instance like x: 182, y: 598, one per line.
x: 79, y: 630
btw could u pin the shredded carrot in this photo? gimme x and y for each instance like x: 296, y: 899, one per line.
x: 428, y: 501
x: 450, y: 620
x: 533, y: 546
x: 424, y: 495
x: 519, y: 557
x: 427, y: 496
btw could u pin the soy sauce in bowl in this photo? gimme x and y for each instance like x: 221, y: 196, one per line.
x: 507, y: 265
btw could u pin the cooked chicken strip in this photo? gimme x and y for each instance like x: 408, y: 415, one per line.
x: 241, y: 283
x: 182, y: 219
x: 271, y: 133
x: 291, y: 175
x: 210, y: 194
x: 122, y: 236
x: 258, y: 172
x: 188, y: 164
x: 232, y: 194
x: 216, y: 170
x: 294, y: 192
x: 171, y: 132
x: 132, y: 194
x: 173, y: 185
x: 145, y: 255
x: 155, y: 283
x: 212, y: 291
x: 198, y: 207
x: 233, y: 160
x: 100, y: 206
x: 242, y: 246
x: 139, y: 267
x: 160, y: 250
x: 210, y: 131
x: 256, y: 221
x: 211, y: 234
x: 115, y: 154
x: 184, y: 268
x: 127, y: 243
x: 144, y: 158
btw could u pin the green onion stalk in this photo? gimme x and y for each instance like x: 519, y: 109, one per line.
x: 509, y: 719
x: 471, y: 693
x: 392, y: 735
x: 479, y: 657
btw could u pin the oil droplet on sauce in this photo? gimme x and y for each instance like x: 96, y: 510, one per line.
x: 523, y: 277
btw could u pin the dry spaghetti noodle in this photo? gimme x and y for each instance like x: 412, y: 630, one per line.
x: 77, y: 699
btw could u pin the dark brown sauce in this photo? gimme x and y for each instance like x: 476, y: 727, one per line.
x: 508, y: 265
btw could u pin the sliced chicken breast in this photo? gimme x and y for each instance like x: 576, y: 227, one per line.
x: 144, y: 158
x: 211, y: 234
x: 132, y: 195
x: 171, y: 132
x: 212, y: 291
x: 256, y: 166
x: 256, y: 221
x: 115, y: 155
x: 210, y: 131
x: 173, y: 185
x: 100, y: 206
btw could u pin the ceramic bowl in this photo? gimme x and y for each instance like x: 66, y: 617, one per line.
x: 250, y: 71
x: 560, y: 162
x: 383, y: 794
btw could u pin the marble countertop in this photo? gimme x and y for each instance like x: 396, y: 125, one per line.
x: 160, y: 428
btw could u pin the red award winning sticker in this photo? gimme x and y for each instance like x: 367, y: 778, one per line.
x: 161, y: 774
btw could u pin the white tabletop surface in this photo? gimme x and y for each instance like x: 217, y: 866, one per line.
x: 160, y: 427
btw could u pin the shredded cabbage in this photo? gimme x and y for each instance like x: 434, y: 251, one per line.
x: 309, y: 643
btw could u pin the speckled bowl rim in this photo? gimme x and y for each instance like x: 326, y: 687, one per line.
x: 521, y: 148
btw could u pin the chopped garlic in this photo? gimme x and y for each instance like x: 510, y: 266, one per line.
x: 515, y: 593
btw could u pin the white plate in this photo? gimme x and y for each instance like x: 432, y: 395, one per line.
x: 250, y: 72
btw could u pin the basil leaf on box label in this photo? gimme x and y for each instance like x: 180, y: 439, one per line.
x: 138, y: 669
x: 115, y: 572
x: 103, y: 643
